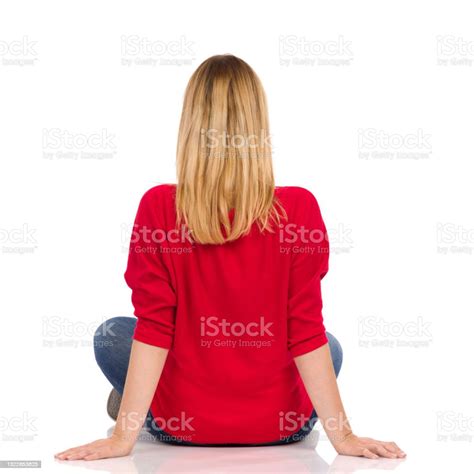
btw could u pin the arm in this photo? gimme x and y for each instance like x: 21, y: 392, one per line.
x: 317, y: 372
x: 144, y: 371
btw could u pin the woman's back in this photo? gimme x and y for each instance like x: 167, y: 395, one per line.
x: 233, y: 316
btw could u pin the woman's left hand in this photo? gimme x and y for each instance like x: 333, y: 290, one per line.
x: 367, y: 447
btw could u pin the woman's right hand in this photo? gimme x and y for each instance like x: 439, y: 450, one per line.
x: 112, y: 447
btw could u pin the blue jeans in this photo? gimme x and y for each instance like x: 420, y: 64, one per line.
x: 112, y: 353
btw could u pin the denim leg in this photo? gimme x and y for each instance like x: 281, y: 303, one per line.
x: 336, y: 352
x: 112, y: 346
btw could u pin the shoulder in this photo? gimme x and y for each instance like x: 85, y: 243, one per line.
x: 157, y: 202
x: 300, y: 204
x: 161, y: 191
x: 159, y: 196
x: 295, y: 196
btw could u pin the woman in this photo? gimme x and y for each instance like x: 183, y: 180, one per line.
x: 228, y: 347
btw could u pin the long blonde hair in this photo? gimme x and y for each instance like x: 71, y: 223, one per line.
x: 224, y: 158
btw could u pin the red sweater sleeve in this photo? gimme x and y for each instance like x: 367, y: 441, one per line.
x: 153, y: 296
x: 310, y: 257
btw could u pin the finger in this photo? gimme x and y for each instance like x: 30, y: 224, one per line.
x: 71, y: 453
x: 93, y: 456
x: 78, y: 455
x: 391, y: 446
x: 366, y: 452
x: 380, y: 450
x: 66, y: 453
x: 72, y: 450
x: 398, y: 452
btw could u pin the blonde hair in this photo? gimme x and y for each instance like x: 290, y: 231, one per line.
x: 224, y: 154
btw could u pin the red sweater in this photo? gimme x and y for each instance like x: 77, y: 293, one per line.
x: 233, y: 317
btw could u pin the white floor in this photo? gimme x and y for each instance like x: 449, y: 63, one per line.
x: 315, y: 454
x: 312, y: 455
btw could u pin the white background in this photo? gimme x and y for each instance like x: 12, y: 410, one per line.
x: 372, y: 112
